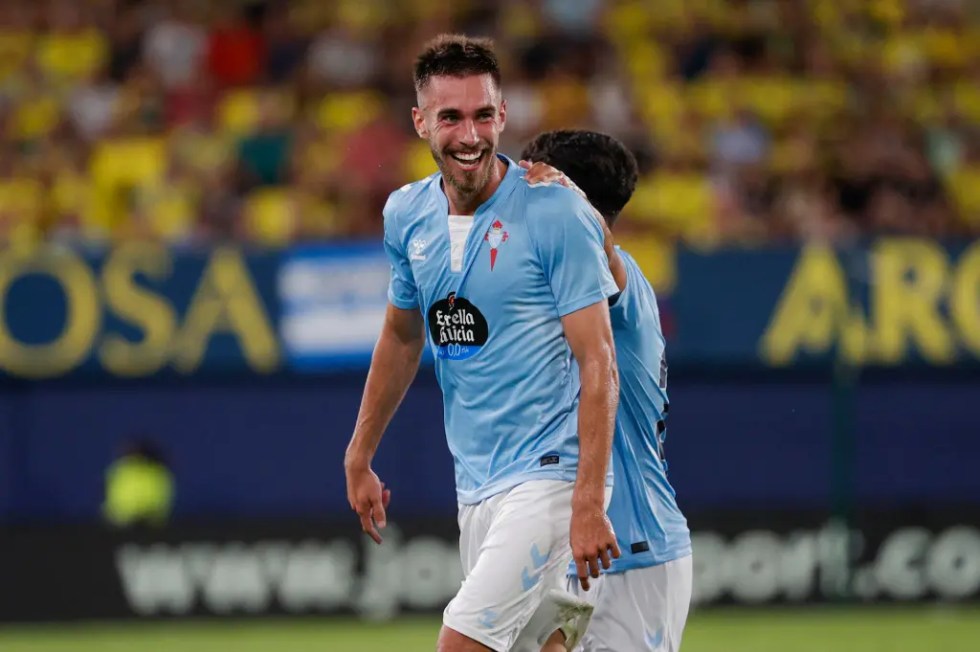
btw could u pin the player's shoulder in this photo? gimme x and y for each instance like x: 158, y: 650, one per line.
x: 552, y: 198
x: 552, y: 209
x: 636, y: 279
x: 410, y: 197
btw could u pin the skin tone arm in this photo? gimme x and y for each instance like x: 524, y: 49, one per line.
x: 590, y: 338
x: 393, y: 367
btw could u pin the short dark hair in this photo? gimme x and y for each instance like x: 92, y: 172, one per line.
x: 603, y: 167
x: 456, y: 55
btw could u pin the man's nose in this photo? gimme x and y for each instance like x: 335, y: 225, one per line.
x: 468, y: 135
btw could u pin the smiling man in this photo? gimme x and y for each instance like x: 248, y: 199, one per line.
x: 509, y: 283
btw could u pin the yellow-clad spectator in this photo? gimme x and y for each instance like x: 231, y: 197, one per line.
x: 21, y: 207
x: 139, y: 487
x: 201, y: 149
x: 771, y: 97
x: 676, y: 199
x: 316, y: 214
x: 16, y: 38
x: 168, y: 207
x: 966, y: 96
x: 70, y: 199
x: 270, y: 217
x: 72, y: 49
x: 344, y: 112
x: 813, y: 77
x: 565, y: 102
x: 964, y: 187
x: 35, y: 115
x: 117, y: 166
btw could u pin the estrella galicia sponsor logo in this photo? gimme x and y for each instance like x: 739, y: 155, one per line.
x: 457, y: 327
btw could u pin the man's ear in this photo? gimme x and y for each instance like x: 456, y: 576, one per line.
x: 418, y: 119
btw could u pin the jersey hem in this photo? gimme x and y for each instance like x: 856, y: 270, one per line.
x: 403, y: 304
x: 634, y: 562
x: 475, y: 496
x: 593, y: 297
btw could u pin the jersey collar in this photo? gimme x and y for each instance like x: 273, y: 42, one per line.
x: 511, y: 176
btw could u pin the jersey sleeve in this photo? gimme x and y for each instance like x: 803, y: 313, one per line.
x: 402, y: 291
x: 569, y: 246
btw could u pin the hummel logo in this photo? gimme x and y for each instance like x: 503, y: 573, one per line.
x: 489, y: 618
x: 538, y: 560
x: 655, y: 640
x: 418, y: 246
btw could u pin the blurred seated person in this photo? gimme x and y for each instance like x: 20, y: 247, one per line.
x: 139, y: 487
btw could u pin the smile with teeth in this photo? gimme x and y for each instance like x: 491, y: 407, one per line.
x: 467, y: 159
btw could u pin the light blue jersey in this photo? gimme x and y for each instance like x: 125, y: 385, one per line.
x: 510, y: 384
x: 650, y: 528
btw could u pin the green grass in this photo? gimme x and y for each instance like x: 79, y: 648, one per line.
x: 900, y: 629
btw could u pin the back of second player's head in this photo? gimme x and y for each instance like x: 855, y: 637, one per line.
x: 600, y: 165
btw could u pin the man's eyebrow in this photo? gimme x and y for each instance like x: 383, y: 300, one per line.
x: 449, y: 113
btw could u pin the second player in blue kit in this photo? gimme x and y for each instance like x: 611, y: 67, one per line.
x: 641, y: 602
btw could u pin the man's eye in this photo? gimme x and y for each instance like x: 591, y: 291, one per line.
x: 451, y: 119
x: 488, y: 115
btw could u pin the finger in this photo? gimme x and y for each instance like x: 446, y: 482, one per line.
x: 385, y: 498
x: 582, y: 571
x: 563, y: 180
x: 368, y: 526
x: 378, y: 512
x: 535, y: 174
x: 524, y: 164
x: 615, y: 549
x: 604, y: 558
x: 593, y: 565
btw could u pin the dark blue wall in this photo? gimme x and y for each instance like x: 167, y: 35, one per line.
x: 275, y: 446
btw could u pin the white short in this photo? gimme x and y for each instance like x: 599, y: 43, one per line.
x: 514, y: 547
x: 640, y: 609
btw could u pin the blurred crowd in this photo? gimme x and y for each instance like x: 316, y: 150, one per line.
x: 754, y: 121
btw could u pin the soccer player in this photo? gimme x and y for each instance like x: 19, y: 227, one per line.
x: 642, y: 601
x: 510, y: 283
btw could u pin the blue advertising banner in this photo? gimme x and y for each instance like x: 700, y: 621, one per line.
x: 899, y: 301
x: 136, y: 311
x: 333, y: 304
x: 142, y: 310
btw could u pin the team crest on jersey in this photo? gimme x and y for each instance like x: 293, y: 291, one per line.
x: 458, y: 329
x: 496, y: 236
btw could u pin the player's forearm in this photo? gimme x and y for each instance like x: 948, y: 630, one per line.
x: 393, y: 367
x: 599, y: 399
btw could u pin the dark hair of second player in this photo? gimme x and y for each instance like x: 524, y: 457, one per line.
x: 599, y: 164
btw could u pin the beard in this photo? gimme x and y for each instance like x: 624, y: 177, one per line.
x: 465, y: 182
